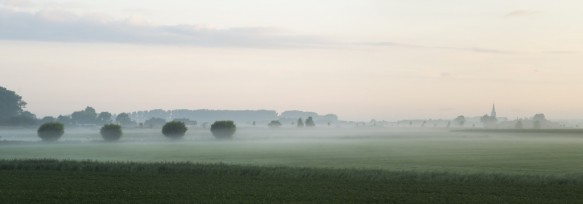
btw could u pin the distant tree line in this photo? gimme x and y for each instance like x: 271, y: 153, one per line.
x: 53, y: 131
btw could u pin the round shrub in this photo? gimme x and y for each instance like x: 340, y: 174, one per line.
x: 51, y: 131
x: 174, y: 129
x: 111, y: 132
x: 223, y: 129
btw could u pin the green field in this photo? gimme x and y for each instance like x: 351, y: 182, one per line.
x: 538, y: 166
x: 49, y: 181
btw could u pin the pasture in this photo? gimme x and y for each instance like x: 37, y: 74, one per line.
x: 386, y: 149
x: 322, y: 165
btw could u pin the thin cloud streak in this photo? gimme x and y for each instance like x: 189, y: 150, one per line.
x: 466, y: 49
x: 562, y: 52
x: 521, y: 13
x: 62, y: 26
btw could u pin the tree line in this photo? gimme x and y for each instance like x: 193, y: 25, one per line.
x: 53, y: 131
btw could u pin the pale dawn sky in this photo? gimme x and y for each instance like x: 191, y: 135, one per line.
x: 360, y: 59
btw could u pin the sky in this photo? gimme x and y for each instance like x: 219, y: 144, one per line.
x: 360, y: 59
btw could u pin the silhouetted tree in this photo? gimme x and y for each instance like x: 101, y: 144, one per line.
x: 11, y: 104
x: 310, y: 122
x: 123, y: 119
x: 51, y: 131
x: 373, y: 122
x: 274, y: 124
x: 104, y: 118
x: 519, y: 125
x: 539, y: 117
x: 461, y: 120
x: 87, y: 116
x: 66, y: 120
x: 300, y: 123
x: 174, y: 129
x: 537, y: 124
x: 488, y: 121
x: 47, y: 119
x: 23, y: 119
x: 223, y: 129
x: 155, y: 122
x: 187, y: 121
x: 111, y: 132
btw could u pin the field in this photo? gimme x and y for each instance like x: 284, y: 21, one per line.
x: 309, y: 165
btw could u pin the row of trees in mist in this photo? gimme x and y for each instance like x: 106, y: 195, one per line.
x: 12, y: 113
x: 300, y: 123
x: 53, y: 131
x: 538, y: 121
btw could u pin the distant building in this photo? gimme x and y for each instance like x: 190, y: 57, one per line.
x: 493, y: 114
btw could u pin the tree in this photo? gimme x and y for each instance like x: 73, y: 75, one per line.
x: 274, y: 124
x: 488, y: 121
x: 519, y: 125
x: 123, y: 119
x: 537, y: 124
x: 47, y: 119
x: 539, y: 117
x: 300, y: 123
x: 187, y: 121
x: 24, y: 119
x: 155, y: 122
x: 87, y: 116
x: 174, y: 129
x: 223, y: 129
x: 461, y: 120
x: 11, y: 104
x: 104, y: 117
x: 65, y: 120
x: 111, y: 132
x: 51, y: 131
x: 310, y: 122
x: 372, y: 122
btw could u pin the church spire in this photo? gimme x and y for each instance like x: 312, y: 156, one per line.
x: 493, y: 114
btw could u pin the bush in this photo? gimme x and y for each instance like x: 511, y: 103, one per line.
x: 111, y: 132
x: 274, y: 124
x: 223, y: 129
x: 310, y: 122
x: 51, y: 131
x: 174, y: 129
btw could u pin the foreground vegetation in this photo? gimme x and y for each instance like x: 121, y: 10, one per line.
x: 53, y: 181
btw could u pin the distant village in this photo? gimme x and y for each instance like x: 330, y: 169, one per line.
x: 491, y: 121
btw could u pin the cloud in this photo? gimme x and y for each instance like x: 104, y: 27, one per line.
x: 562, y: 52
x: 16, y: 3
x: 521, y: 13
x: 63, y: 26
x: 466, y: 49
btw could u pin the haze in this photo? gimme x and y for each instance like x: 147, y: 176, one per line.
x: 359, y: 59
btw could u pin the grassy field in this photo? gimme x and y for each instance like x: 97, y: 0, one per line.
x: 290, y: 165
x: 50, y: 181
x: 427, y: 150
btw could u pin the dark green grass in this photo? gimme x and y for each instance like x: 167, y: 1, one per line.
x: 53, y: 181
